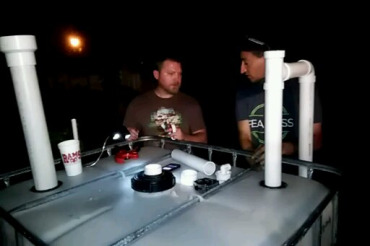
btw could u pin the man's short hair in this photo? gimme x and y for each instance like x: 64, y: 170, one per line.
x: 253, y: 44
x: 166, y: 56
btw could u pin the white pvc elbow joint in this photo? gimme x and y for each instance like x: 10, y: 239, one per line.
x: 224, y: 173
x: 302, y: 68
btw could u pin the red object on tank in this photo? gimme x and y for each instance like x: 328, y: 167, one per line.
x: 123, y: 155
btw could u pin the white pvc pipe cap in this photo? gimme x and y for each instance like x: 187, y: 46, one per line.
x: 188, y: 177
x: 153, y: 169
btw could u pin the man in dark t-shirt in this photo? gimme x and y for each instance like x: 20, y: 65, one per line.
x: 165, y: 111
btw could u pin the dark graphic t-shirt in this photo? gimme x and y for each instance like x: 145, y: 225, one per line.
x: 250, y: 105
x: 155, y: 116
x: 165, y: 120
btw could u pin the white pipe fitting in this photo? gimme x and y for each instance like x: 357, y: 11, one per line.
x: 224, y: 173
x: 153, y: 169
x: 188, y: 176
x: 297, y: 69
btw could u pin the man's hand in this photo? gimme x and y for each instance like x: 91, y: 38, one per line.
x: 134, y: 133
x: 177, y: 134
x: 257, y: 160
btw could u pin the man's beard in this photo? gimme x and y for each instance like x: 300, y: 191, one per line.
x: 173, y: 90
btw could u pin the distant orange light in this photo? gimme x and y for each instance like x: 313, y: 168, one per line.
x: 75, y: 43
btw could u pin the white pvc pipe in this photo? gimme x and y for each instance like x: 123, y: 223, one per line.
x: 19, y: 52
x: 297, y: 69
x: 305, y: 71
x: 202, y: 165
x: 273, y: 86
x: 74, y: 129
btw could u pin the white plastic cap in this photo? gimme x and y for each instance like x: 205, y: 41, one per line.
x: 153, y: 169
x: 188, y: 176
x: 224, y: 173
x: 224, y: 168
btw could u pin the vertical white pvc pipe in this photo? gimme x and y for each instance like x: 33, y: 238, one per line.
x: 74, y: 129
x: 273, y: 86
x: 306, y: 109
x: 305, y: 71
x: 20, y: 57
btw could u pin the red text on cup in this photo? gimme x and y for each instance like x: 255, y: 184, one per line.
x: 71, y: 157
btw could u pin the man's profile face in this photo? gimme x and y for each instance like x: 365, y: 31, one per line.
x: 252, y: 66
